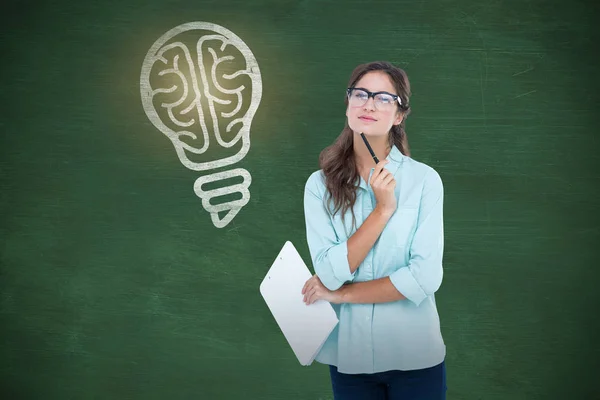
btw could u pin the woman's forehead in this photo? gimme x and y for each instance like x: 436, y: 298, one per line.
x: 376, y: 81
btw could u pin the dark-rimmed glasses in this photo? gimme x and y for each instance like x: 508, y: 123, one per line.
x: 384, y: 101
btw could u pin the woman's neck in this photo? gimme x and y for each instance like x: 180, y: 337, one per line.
x: 380, y: 146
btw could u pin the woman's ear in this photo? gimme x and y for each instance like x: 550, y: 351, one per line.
x: 399, y: 118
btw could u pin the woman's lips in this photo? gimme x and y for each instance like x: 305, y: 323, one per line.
x: 366, y: 119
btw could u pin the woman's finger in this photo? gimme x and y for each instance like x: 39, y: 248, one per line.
x: 307, y: 291
x: 377, y: 179
x: 385, y: 181
x: 379, y: 167
x: 311, y: 296
x: 307, y: 283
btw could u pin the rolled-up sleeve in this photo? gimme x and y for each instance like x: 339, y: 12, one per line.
x: 329, y: 255
x: 423, y: 275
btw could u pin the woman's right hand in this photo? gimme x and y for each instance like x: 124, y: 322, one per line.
x: 383, y: 185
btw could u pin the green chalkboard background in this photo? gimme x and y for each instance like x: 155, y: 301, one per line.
x: 115, y: 284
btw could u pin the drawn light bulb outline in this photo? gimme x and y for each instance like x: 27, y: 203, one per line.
x: 156, y: 55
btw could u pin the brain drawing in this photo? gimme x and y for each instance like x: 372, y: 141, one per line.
x: 201, y: 86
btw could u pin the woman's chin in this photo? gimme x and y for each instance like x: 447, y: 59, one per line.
x: 370, y: 132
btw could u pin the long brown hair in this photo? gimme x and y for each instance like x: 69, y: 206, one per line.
x: 337, y: 160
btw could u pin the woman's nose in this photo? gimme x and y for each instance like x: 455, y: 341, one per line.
x: 370, y: 104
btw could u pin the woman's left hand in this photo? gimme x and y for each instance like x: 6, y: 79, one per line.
x: 314, y: 290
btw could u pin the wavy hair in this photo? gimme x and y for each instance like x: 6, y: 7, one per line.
x: 337, y: 160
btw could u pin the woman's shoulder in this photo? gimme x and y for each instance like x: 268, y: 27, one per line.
x: 315, y: 181
x: 423, y: 171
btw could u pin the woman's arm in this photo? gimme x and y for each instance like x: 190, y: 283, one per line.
x: 362, y: 241
x: 423, y: 275
x: 376, y: 291
x: 336, y: 260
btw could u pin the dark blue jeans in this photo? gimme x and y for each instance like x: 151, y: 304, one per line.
x: 420, y: 384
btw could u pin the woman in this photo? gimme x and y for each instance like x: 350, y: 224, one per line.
x: 375, y: 235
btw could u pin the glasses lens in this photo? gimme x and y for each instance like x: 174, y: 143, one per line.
x: 384, y: 101
x: 358, y: 97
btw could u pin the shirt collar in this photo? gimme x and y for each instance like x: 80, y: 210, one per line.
x: 395, y: 157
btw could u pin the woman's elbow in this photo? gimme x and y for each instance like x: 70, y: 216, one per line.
x: 433, y: 281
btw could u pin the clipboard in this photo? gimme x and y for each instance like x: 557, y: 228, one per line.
x: 305, y: 327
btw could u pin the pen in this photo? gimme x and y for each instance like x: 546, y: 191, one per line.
x: 370, y: 149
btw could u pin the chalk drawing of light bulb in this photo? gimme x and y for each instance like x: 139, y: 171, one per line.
x: 201, y: 85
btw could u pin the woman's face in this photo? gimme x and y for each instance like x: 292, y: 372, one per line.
x: 368, y: 118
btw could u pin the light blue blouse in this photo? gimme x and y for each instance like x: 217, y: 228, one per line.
x: 405, y: 334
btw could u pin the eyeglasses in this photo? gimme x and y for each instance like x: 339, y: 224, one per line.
x: 384, y: 101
